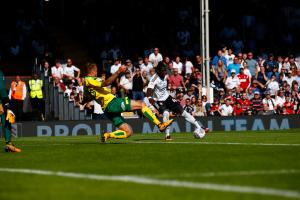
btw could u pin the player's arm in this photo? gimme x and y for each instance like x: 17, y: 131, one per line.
x: 114, y: 76
x: 149, y: 101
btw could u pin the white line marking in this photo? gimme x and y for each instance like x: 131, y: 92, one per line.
x: 234, y: 173
x: 219, y: 143
x: 170, y: 183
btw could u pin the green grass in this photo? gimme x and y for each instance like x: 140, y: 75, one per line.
x: 147, y: 155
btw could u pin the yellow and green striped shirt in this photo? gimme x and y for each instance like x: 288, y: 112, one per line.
x: 93, y: 86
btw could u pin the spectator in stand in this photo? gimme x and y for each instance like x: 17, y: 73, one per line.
x: 114, y: 91
x: 270, y: 63
x: 189, y: 94
x: 177, y: 64
x: 230, y: 96
x: 199, y: 109
x: 214, y: 111
x: 229, y: 57
x: 187, y: 81
x: 226, y: 109
x: 176, y: 80
x: 235, y: 65
x: 17, y: 94
x: 70, y: 70
x: 206, y: 104
x: 219, y: 57
x: 295, y: 86
x: 279, y: 63
x: 199, y: 63
x: 245, y: 104
x: 273, y: 72
x: 252, y: 63
x: 138, y: 84
x: 269, y: 104
x: 45, y: 72
x: 261, y: 76
x: 256, y: 104
x: 193, y: 101
x: 250, y: 92
x: 292, y: 62
x: 196, y: 78
x: 232, y: 81
x: 57, y: 73
x: 220, y: 74
x: 237, y: 93
x: 221, y: 96
x: 289, y: 106
x: 115, y: 66
x: 237, y: 109
x: 188, y: 67
x: 244, y: 80
x: 155, y: 57
x: 289, y: 78
x: 130, y: 67
x: 280, y: 100
x: 146, y: 66
x: 243, y: 58
x: 146, y: 79
x: 126, y: 85
x: 167, y: 60
x: 272, y: 85
x: 140, y: 62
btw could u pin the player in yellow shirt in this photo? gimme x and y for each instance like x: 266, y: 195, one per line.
x: 95, y: 89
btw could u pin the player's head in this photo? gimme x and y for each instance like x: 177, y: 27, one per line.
x: 91, y: 69
x: 161, y: 69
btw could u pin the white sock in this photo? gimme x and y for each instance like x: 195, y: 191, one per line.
x: 188, y: 117
x: 166, y: 115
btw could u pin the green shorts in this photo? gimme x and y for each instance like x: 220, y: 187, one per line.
x: 115, y: 108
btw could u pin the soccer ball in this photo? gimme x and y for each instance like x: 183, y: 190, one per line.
x: 199, y: 133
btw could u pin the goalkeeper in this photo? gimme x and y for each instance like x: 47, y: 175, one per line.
x: 7, y: 118
x: 95, y: 89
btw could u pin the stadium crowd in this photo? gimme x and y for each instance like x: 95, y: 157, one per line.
x: 242, y: 84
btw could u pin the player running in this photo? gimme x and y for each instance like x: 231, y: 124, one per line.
x: 165, y: 103
x: 95, y: 89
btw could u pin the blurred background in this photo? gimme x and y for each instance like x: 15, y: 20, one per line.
x: 87, y: 29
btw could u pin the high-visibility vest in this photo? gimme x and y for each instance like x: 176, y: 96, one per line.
x: 17, y: 90
x: 36, y: 88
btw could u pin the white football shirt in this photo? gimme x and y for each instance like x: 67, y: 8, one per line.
x: 160, y: 87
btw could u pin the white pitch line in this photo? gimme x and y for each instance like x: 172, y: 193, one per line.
x: 219, y: 143
x: 169, y: 183
x: 235, y: 173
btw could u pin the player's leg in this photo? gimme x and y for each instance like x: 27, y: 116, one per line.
x: 147, y: 112
x: 175, y: 106
x: 7, y: 118
x: 166, y: 116
x: 124, y: 130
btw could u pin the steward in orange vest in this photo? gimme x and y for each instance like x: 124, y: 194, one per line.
x: 17, y: 94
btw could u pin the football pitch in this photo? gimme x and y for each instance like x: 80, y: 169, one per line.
x: 223, y: 165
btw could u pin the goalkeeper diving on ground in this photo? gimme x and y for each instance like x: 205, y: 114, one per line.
x: 96, y: 89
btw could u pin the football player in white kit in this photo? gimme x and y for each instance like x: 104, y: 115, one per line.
x: 157, y: 94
